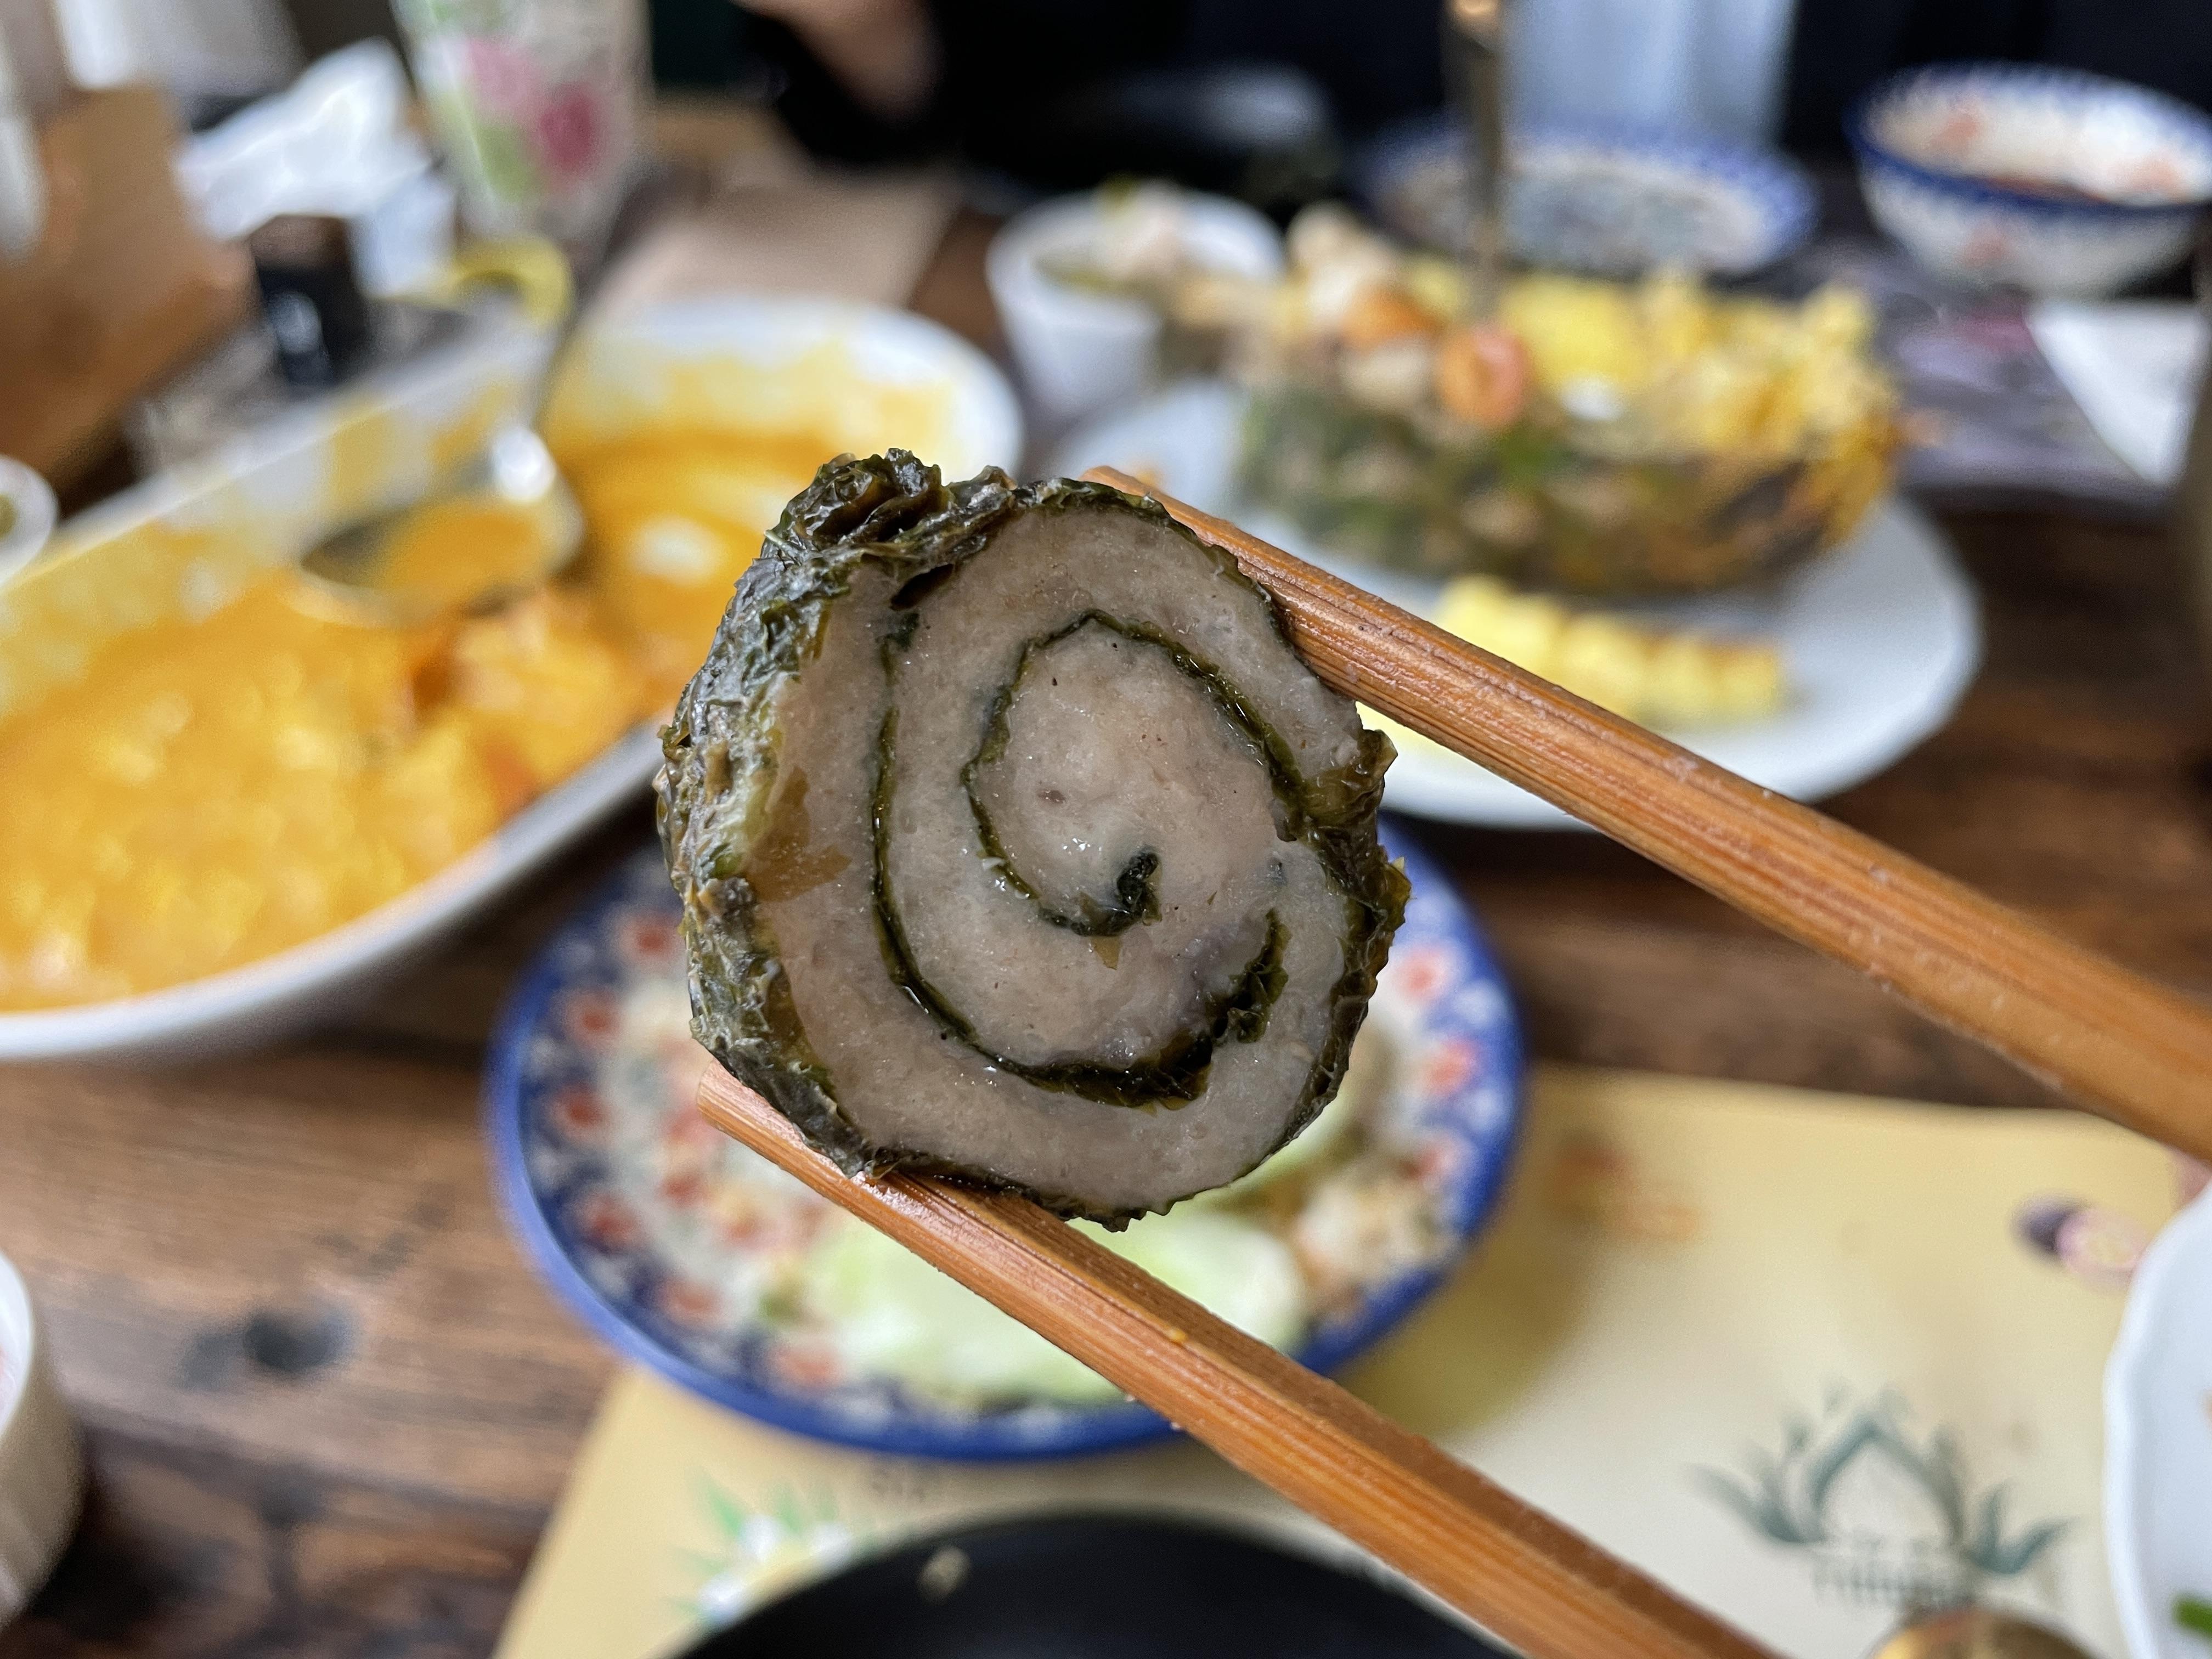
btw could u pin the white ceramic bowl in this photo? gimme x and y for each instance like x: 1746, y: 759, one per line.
x: 1939, y: 147
x: 1081, y: 351
x: 265, y: 1000
x: 26, y: 514
x: 41, y: 1469
x: 2157, y: 1439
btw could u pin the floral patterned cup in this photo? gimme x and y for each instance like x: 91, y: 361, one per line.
x: 540, y: 107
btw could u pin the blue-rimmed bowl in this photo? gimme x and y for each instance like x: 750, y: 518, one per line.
x: 2052, y: 181
x: 1610, y: 200
x: 550, y: 1106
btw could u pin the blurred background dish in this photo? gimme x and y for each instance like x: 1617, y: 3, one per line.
x: 2158, y: 1444
x: 2057, y: 181
x: 1609, y: 201
x: 1099, y: 293
x: 1874, y: 644
x: 1590, y: 437
x: 695, y: 1257
x: 1060, y: 1585
x: 684, y: 428
x: 448, y: 764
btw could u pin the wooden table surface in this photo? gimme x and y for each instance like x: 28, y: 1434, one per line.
x: 329, y: 1405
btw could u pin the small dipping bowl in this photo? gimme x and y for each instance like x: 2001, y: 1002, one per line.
x: 41, y: 1469
x: 2056, y: 181
x: 1078, y: 350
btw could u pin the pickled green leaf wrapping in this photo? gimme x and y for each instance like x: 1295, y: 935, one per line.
x: 1016, y: 843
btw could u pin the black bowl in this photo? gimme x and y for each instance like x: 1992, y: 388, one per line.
x: 1093, y: 1586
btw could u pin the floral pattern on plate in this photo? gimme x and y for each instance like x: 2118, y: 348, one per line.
x: 683, y: 1249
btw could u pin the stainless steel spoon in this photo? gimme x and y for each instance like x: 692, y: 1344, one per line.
x: 514, y: 469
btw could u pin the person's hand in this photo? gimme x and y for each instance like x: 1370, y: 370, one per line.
x: 883, y: 52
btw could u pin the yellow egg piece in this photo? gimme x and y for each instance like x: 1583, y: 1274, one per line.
x: 1576, y: 329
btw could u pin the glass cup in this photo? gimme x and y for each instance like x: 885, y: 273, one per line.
x: 540, y: 105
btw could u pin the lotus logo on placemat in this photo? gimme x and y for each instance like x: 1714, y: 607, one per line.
x: 1885, y: 1518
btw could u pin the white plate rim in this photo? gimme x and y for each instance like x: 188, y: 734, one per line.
x: 2184, y: 1245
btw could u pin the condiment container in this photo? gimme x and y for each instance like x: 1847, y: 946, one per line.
x: 317, y: 311
x: 42, y: 1466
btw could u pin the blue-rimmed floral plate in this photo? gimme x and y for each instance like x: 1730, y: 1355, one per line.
x: 694, y: 1257
x: 2055, y: 180
x: 1613, y: 201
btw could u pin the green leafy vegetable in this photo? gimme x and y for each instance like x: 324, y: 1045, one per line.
x: 2194, y: 1612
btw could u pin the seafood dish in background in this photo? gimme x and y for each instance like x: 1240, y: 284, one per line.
x: 1807, y: 685
x: 253, y: 796
x: 1593, y: 438
x: 700, y: 1259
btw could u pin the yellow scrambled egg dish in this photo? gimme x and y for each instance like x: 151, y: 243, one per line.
x: 208, y: 793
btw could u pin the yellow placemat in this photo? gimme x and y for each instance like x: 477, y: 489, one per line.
x: 1810, y: 1359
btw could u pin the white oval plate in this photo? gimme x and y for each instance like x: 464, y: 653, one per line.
x: 1879, y: 638
x: 2158, y: 1440
x: 265, y: 1000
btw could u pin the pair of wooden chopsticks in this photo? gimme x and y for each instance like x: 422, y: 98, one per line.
x: 2114, y: 1041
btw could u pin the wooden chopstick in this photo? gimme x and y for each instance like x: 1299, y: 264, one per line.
x: 1543, y: 1588
x: 2112, y: 1039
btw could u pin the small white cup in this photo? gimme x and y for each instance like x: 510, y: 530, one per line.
x: 1079, y: 352
x: 42, y: 1466
x: 29, y: 517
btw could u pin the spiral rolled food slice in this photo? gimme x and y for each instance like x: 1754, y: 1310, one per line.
x: 1015, y: 842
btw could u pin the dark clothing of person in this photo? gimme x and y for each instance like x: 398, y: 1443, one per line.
x: 1262, y: 98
